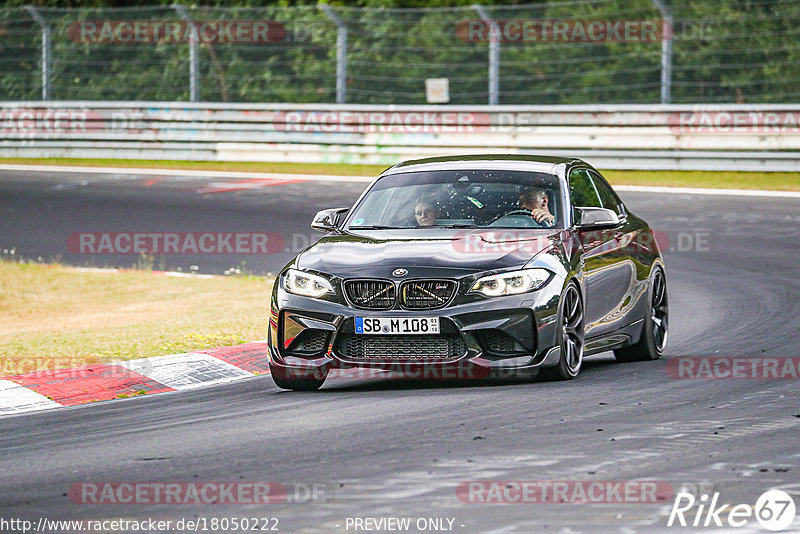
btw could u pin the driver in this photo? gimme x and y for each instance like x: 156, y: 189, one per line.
x: 536, y: 201
x: 425, y: 213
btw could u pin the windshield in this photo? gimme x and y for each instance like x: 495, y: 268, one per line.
x: 460, y: 199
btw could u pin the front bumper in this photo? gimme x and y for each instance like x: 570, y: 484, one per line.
x: 483, y: 338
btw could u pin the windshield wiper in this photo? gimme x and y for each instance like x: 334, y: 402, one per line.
x: 455, y: 225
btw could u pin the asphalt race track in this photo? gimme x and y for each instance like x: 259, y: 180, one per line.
x: 39, y: 212
x: 399, y: 448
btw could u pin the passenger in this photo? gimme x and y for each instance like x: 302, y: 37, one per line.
x: 425, y: 212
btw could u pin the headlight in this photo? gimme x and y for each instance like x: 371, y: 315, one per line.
x: 305, y: 284
x: 511, y: 283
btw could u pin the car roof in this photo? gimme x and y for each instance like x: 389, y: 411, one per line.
x: 533, y: 163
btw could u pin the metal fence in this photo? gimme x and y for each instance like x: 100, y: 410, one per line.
x: 725, y: 51
x: 762, y: 137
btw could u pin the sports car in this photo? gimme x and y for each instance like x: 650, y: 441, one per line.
x: 471, y: 267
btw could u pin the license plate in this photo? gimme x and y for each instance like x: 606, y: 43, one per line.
x: 397, y: 325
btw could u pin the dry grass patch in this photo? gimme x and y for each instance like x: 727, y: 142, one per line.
x: 53, y: 316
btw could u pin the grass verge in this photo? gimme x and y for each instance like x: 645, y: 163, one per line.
x: 54, y: 317
x: 344, y: 169
x: 779, y: 181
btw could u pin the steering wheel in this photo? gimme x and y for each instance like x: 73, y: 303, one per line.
x: 516, y: 215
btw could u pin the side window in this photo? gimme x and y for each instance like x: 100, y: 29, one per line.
x: 607, y: 195
x: 582, y: 191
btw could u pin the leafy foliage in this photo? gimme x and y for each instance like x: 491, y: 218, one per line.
x: 727, y: 51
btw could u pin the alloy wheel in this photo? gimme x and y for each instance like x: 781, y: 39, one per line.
x: 659, y: 311
x: 572, y: 331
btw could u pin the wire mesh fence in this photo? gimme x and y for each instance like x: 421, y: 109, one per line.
x: 556, y: 52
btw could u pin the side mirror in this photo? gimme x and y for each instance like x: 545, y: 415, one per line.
x: 588, y: 218
x: 328, y: 220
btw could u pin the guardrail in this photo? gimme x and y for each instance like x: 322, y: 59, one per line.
x: 659, y: 137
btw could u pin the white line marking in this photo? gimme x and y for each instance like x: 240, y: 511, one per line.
x: 101, y: 270
x: 15, y: 398
x: 709, y: 191
x: 179, y: 172
x: 365, y: 179
x: 112, y: 270
x: 175, y: 274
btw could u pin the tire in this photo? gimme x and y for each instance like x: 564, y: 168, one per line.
x: 656, y: 324
x: 572, y: 335
x: 284, y: 379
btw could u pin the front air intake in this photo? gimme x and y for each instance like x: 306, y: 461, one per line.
x: 371, y: 294
x: 426, y: 294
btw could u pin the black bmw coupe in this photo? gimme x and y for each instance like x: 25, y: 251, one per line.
x: 471, y: 266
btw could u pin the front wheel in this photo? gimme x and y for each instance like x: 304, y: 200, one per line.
x: 656, y: 322
x: 297, y: 380
x: 570, y: 321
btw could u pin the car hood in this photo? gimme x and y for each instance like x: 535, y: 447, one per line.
x: 458, y: 252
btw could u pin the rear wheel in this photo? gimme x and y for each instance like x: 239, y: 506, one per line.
x: 297, y: 380
x: 570, y: 320
x: 655, y: 328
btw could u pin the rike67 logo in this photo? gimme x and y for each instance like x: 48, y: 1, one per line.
x: 774, y: 511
